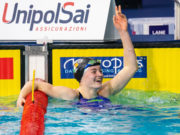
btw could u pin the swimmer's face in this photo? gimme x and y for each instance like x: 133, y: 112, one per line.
x: 93, y: 77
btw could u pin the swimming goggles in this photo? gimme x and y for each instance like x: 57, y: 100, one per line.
x: 92, y: 63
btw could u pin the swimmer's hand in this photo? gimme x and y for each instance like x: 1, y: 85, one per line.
x: 21, y: 101
x: 120, y: 20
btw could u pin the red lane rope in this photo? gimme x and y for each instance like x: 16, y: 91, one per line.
x: 32, y: 122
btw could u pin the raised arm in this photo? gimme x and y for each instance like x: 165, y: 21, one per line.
x: 130, y: 63
x: 53, y: 91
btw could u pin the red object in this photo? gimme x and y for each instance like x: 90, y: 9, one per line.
x: 6, y: 68
x: 32, y: 122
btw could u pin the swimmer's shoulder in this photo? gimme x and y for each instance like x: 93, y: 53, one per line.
x: 105, y: 90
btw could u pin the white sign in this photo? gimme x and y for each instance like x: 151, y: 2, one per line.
x: 55, y: 19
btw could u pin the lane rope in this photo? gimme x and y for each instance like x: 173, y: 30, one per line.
x: 33, y: 80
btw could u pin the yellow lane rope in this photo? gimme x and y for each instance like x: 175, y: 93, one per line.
x: 33, y: 85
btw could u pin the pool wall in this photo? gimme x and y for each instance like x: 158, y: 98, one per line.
x: 157, y: 61
x: 158, y: 64
x: 11, y: 69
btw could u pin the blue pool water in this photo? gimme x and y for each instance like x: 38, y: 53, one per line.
x: 133, y: 113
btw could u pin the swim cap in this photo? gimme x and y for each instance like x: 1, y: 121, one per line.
x: 81, y: 65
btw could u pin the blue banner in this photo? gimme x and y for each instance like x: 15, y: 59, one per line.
x: 110, y: 66
x: 159, y: 30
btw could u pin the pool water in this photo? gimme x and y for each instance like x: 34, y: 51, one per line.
x: 132, y: 112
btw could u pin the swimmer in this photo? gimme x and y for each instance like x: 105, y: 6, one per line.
x: 87, y: 72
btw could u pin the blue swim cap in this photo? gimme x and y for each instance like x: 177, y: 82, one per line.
x: 81, y: 64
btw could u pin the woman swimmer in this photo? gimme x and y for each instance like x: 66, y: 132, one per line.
x: 88, y: 72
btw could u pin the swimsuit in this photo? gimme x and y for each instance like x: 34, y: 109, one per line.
x: 101, y: 103
x: 98, y: 102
